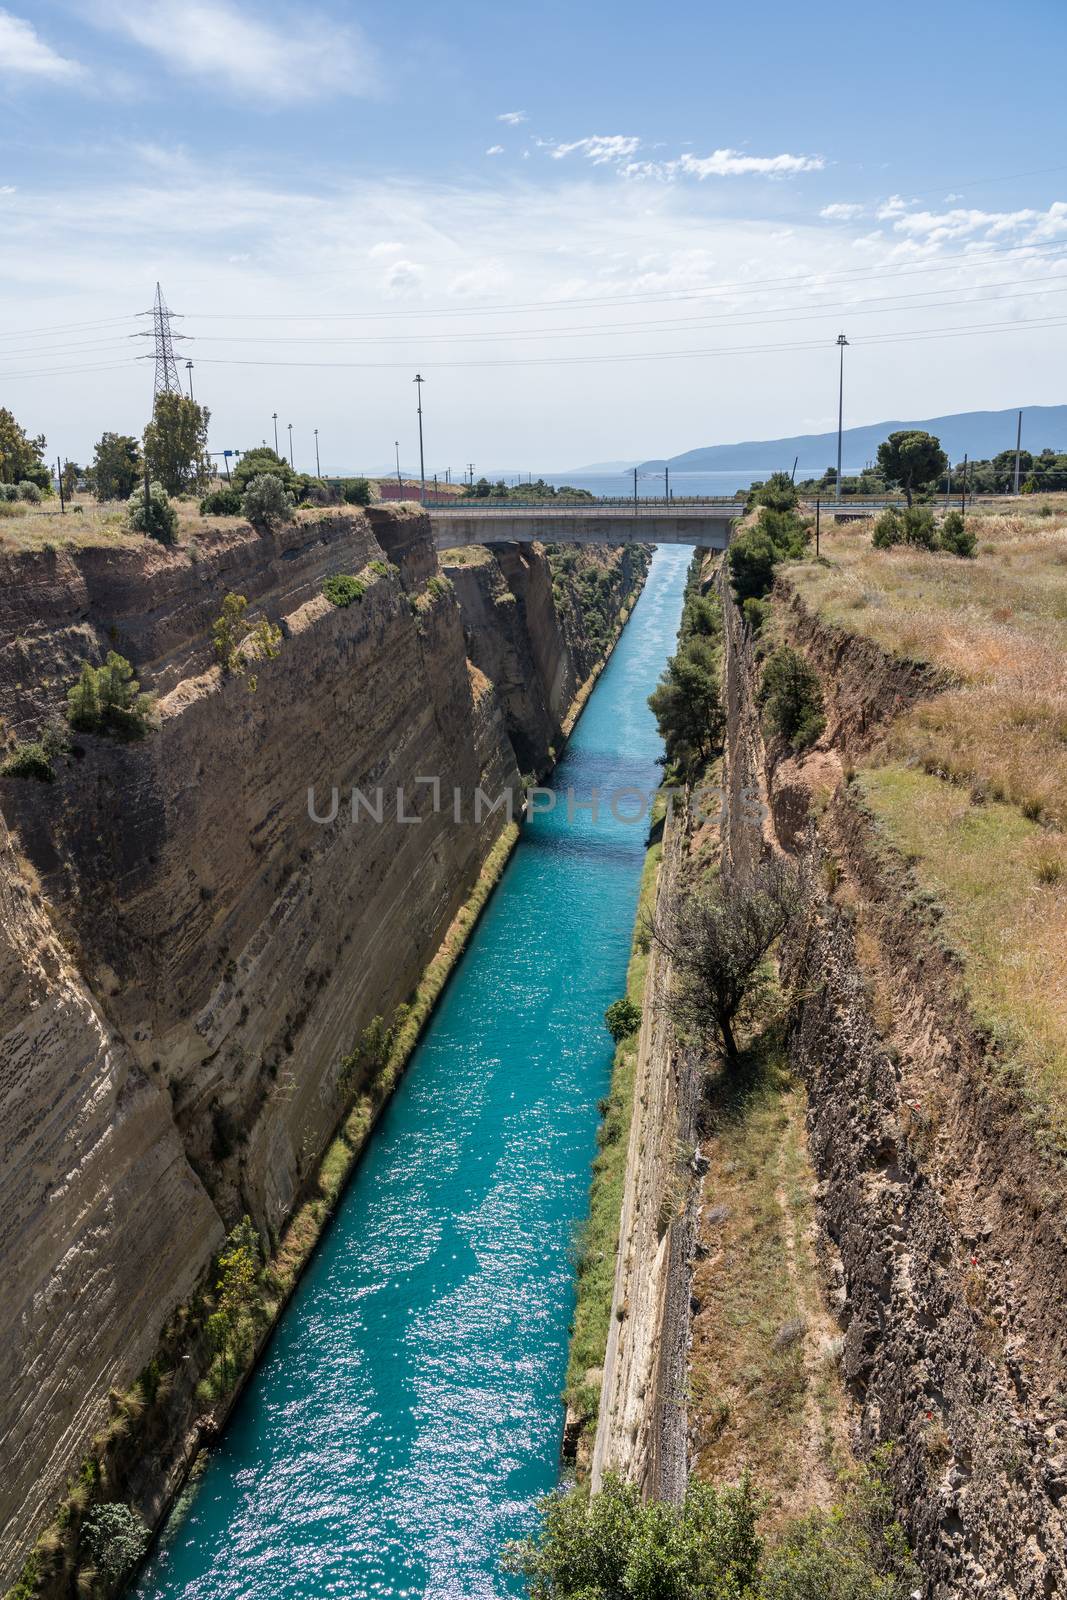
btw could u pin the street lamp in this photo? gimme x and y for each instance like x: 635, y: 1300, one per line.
x: 189, y: 370
x: 318, y: 469
x: 274, y: 418
x: 419, y: 380
x: 841, y: 343
x: 292, y: 463
x: 396, y: 446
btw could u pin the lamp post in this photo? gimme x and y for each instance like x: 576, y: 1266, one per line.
x: 419, y: 380
x: 292, y: 463
x: 274, y: 419
x: 189, y: 370
x: 318, y: 469
x: 841, y: 343
x: 399, y: 479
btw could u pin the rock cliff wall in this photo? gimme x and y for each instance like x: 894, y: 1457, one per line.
x: 186, y: 953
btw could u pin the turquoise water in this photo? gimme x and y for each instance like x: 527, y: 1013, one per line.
x: 407, y: 1414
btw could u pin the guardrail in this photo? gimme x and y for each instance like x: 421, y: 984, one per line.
x: 647, y: 505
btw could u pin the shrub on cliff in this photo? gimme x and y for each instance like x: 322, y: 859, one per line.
x: 113, y: 1540
x: 36, y: 758
x: 791, y: 698
x: 622, y: 1018
x: 779, y: 535
x: 109, y: 700
x: 342, y: 589
x: 687, y: 705
x: 266, y: 501
x: 614, y: 1546
x: 153, y: 516
x: 258, y: 461
x: 719, y: 942
x: 221, y: 503
x: 236, y: 644
x: 356, y: 491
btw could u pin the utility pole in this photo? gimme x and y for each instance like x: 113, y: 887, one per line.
x: 435, y: 488
x: 396, y: 446
x: 818, y: 519
x: 1018, y: 450
x: 841, y: 343
x: 419, y: 380
x: 635, y: 488
x: 292, y: 463
x: 275, y: 421
x: 189, y: 370
x: 963, y: 490
x: 667, y: 484
x: 470, y: 469
x: 318, y: 469
x: 59, y: 475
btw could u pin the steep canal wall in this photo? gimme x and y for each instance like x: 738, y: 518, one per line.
x: 189, y: 960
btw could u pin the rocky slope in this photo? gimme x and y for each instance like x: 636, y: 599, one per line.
x: 186, y: 954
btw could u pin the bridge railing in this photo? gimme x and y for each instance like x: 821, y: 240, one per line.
x: 647, y: 505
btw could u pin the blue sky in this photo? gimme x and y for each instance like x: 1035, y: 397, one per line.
x: 599, y: 231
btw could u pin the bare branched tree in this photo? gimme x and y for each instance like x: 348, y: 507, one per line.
x: 719, y: 941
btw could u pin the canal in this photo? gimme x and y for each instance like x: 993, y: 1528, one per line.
x: 407, y: 1414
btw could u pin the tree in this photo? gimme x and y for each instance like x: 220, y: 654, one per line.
x: 113, y: 1538
x: 266, y: 501
x: 612, y: 1546
x: 116, y: 468
x: 622, y: 1018
x: 687, y: 705
x: 71, y: 473
x: 21, y: 458
x: 109, y: 700
x: 153, y: 515
x: 719, y: 945
x: 779, y: 493
x: 791, y: 698
x: 255, y: 462
x: 175, y: 443
x: 912, y: 459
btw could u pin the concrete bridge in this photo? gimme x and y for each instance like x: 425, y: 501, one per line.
x: 705, y: 523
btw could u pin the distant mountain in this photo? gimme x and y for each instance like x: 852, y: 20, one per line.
x: 979, y: 434
x: 596, y: 467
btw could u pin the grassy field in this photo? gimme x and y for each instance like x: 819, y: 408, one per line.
x: 765, y: 1391
x: 972, y: 784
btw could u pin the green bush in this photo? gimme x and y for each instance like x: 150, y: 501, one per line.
x: 913, y: 525
x: 254, y: 463
x: 613, y: 1546
x: 956, y: 538
x: 622, y: 1018
x: 9, y: 491
x: 267, y: 501
x: 108, y: 700
x: 791, y: 698
x: 36, y: 758
x: 29, y: 491
x: 343, y: 589
x: 756, y: 612
x: 779, y: 535
x: 157, y: 518
x: 113, y: 1540
x: 221, y: 503
x: 356, y: 491
x: 687, y: 704
x: 887, y: 529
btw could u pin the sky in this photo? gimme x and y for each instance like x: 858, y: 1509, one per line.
x: 599, y: 232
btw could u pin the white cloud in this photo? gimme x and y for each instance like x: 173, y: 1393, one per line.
x: 7, y: 188
x: 23, y: 51
x: 892, y: 207
x: 734, y: 164
x: 599, y: 148
x: 304, y: 57
x: 402, y: 277
x: 495, y: 150
x: 385, y: 247
x: 967, y: 223
x: 841, y: 211
x: 513, y: 118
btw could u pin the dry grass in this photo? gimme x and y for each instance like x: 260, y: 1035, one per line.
x: 765, y: 1393
x: 1002, y: 884
x: 998, y: 625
